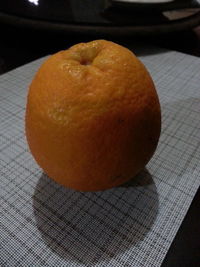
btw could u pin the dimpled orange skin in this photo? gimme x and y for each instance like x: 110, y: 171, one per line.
x: 93, y: 116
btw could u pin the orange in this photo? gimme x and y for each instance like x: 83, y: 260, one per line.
x: 93, y: 116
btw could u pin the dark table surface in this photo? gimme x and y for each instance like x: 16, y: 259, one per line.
x: 20, y: 46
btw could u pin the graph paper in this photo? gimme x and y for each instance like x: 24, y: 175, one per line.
x: 45, y: 224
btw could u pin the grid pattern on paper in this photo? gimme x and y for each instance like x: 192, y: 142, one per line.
x: 44, y: 224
